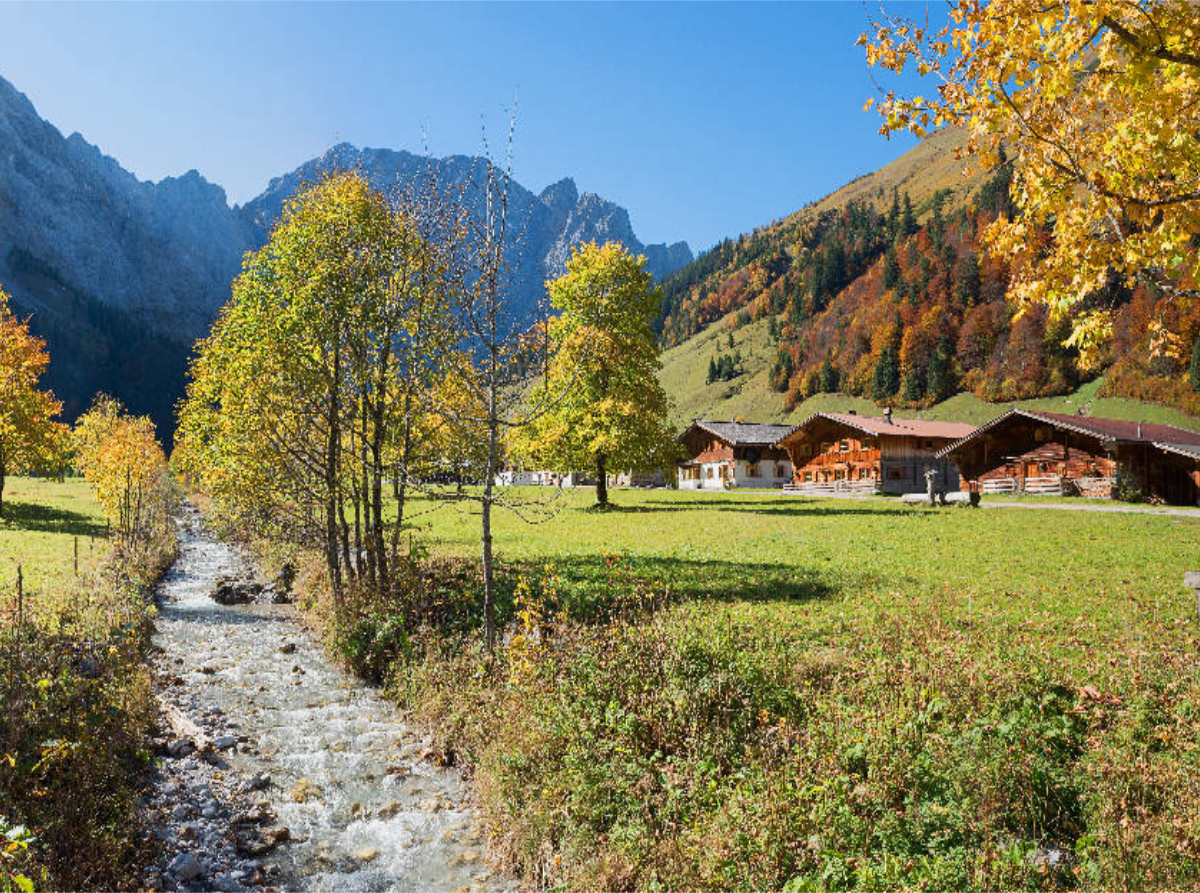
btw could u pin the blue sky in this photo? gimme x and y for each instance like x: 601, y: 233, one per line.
x: 703, y: 119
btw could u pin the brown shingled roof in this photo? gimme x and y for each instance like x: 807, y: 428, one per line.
x: 1116, y: 429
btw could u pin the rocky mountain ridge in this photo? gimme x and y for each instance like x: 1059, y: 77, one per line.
x: 121, y: 276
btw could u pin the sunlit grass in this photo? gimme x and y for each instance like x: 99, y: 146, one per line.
x: 44, y: 521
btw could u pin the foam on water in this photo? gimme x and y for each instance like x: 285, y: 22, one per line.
x: 364, y: 812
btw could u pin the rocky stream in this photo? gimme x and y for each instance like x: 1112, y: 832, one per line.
x: 279, y: 769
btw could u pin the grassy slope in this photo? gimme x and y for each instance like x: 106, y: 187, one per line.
x: 923, y: 170
x: 750, y: 396
x: 896, y: 647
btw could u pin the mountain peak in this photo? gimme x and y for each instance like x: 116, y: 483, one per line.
x: 560, y: 197
x: 13, y: 100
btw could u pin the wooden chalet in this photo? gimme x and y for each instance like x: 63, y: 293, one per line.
x: 849, y: 453
x: 1024, y: 451
x: 723, y: 455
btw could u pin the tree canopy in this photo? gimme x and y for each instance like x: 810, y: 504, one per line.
x: 609, y: 411
x: 320, y: 377
x: 30, y: 438
x: 1097, y: 105
x: 120, y: 457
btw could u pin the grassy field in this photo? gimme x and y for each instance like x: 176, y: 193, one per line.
x: 43, y: 520
x: 858, y: 555
x: 756, y: 691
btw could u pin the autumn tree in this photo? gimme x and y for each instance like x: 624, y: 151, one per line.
x: 30, y: 438
x: 611, y: 412
x: 1097, y: 105
x: 318, y: 380
x: 119, y: 455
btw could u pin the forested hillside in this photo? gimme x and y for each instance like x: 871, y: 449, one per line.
x: 894, y: 298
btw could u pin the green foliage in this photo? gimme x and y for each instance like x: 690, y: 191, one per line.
x: 1125, y: 487
x: 887, y: 375
x: 606, y: 409
x: 940, y: 382
x: 891, y: 268
x: 1194, y: 368
x: 14, y: 846
x: 781, y: 371
x: 725, y: 367
x: 829, y: 377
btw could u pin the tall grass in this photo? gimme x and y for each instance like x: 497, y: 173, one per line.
x: 755, y: 691
x: 75, y: 701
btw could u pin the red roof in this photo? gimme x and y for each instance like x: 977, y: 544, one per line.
x: 1101, y: 429
x: 897, y: 427
x: 1115, y: 429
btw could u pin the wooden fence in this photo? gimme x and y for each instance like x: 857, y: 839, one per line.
x: 1039, y: 486
x: 833, y: 488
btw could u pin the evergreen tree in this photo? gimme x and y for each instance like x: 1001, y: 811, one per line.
x: 908, y: 220
x: 914, y: 388
x: 829, y: 377
x: 712, y: 371
x: 939, y: 378
x: 887, y: 375
x: 1194, y: 372
x: 967, y: 280
x: 891, y: 268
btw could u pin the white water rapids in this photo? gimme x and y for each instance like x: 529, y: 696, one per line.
x: 364, y: 812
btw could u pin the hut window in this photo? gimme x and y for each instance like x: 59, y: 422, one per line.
x: 752, y: 470
x: 807, y: 476
x: 824, y: 447
x: 781, y: 470
x: 844, y: 446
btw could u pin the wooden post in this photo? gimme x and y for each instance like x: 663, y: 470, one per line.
x: 1192, y: 580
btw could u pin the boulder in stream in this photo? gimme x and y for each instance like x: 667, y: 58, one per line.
x: 186, y: 868
x: 231, y: 591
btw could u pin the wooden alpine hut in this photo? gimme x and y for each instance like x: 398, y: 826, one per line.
x: 850, y: 453
x: 1026, y: 451
x: 722, y: 455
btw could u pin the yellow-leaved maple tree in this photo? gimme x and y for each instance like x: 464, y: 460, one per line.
x: 120, y: 457
x: 30, y: 438
x: 1097, y: 104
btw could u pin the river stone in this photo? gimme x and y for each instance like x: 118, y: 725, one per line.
x: 181, y: 747
x: 186, y: 868
x: 366, y: 854
x: 225, y: 742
